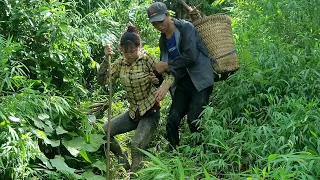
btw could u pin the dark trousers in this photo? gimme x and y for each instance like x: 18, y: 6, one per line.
x: 145, y: 128
x: 186, y: 101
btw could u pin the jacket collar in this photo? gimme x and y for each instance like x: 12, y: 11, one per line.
x: 178, y: 25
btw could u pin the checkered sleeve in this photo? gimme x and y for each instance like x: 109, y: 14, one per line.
x: 168, y: 77
x: 151, y: 61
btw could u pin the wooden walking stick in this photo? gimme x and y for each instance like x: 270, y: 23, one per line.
x: 109, y: 117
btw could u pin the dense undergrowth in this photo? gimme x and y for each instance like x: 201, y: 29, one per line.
x: 262, y: 123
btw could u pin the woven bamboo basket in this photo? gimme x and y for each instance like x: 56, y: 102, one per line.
x: 216, y: 32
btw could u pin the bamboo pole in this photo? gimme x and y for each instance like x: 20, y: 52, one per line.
x: 185, y: 5
x: 193, y: 12
x: 109, y: 118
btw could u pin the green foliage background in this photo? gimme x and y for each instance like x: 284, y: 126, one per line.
x: 262, y: 123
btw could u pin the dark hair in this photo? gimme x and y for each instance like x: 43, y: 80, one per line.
x: 130, y: 37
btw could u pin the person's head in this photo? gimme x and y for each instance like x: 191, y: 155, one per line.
x: 130, y: 44
x: 159, y: 16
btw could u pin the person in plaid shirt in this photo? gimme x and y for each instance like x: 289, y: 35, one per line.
x: 135, y: 70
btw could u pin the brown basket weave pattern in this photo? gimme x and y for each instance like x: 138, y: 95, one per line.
x: 216, y: 33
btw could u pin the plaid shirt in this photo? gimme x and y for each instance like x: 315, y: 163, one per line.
x: 135, y: 78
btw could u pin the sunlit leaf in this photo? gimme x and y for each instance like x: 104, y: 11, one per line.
x: 92, y: 118
x: 85, y: 156
x: 43, y: 116
x: 313, y: 133
x: 14, y: 119
x: 42, y: 135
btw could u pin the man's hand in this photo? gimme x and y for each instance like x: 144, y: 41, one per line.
x: 161, y: 67
x: 161, y: 92
x: 153, y: 78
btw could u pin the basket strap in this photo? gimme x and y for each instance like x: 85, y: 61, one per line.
x: 227, y: 54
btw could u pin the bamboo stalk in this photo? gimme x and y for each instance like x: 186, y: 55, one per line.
x: 109, y: 118
x: 186, y: 6
x: 193, y: 12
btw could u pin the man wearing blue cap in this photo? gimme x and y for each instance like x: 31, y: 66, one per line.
x: 183, y: 52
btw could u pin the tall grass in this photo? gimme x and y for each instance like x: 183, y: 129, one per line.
x: 263, y: 121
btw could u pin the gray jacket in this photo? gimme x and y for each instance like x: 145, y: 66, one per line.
x: 193, y: 56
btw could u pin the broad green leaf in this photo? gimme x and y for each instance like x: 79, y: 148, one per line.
x: 96, y: 177
x: 39, y: 124
x: 53, y: 143
x: 42, y: 135
x: 49, y: 123
x: 44, y: 160
x: 79, y: 143
x: 100, y: 165
x: 60, y: 130
x: 87, y: 174
x: 60, y: 165
x: 73, y: 150
x: 48, y: 129
x: 96, y: 140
